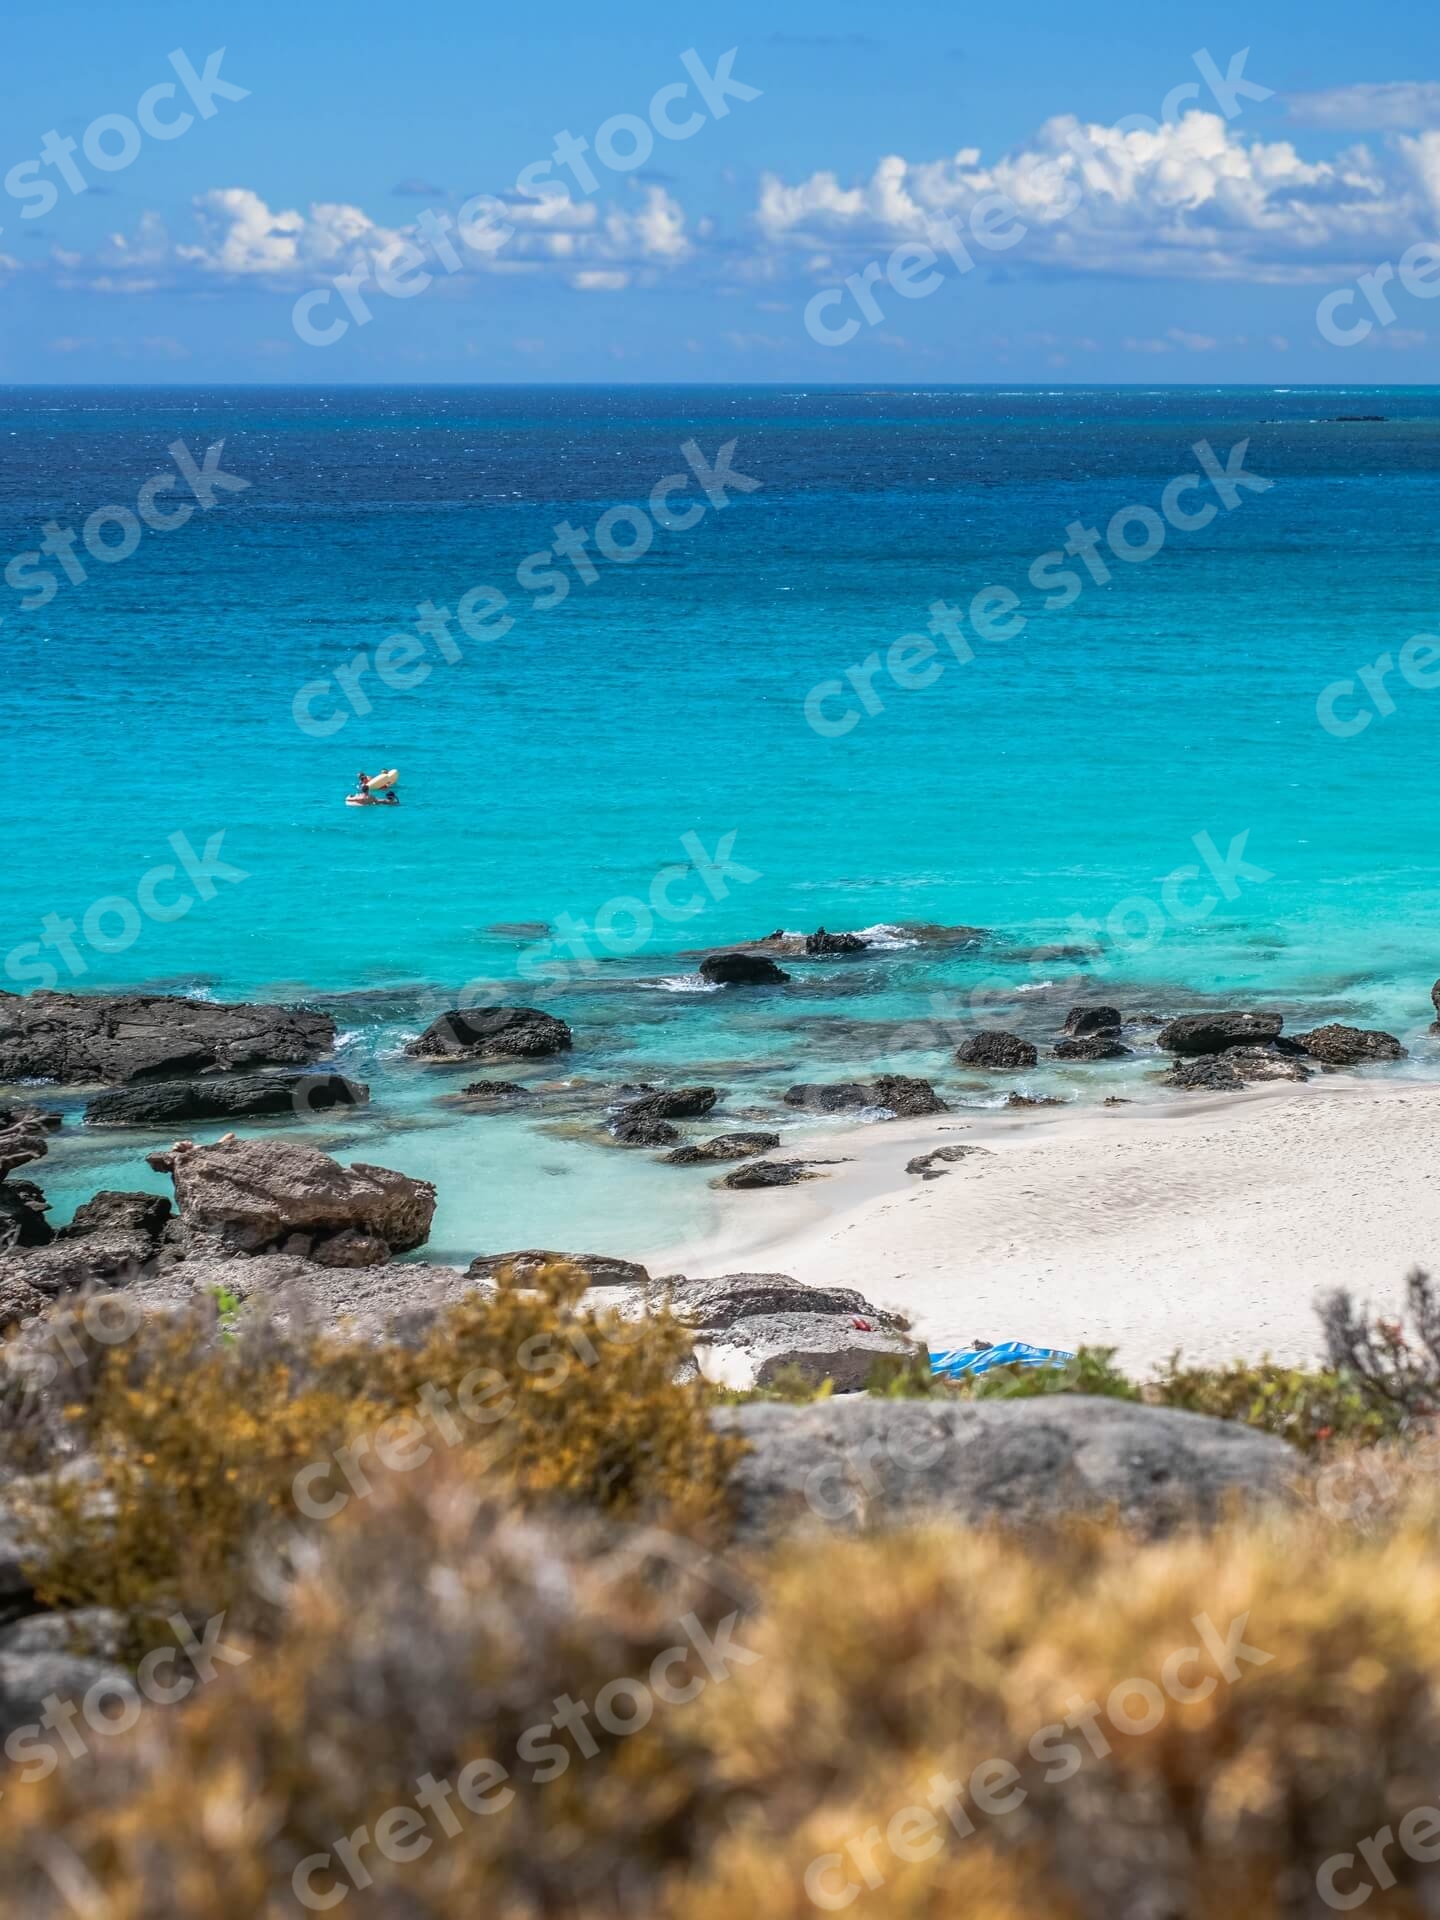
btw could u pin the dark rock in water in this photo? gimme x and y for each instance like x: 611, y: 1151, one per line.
x: 1033, y: 1100
x: 1435, y: 998
x: 1196, y: 1033
x: 1092, y: 1046
x: 767, y: 1173
x: 865, y: 1460
x: 725, y: 1146
x: 22, y: 1216
x: 933, y: 1165
x: 1082, y: 1020
x: 78, y: 1038
x: 1212, y: 1073
x: 244, y: 1096
x: 601, y: 1269
x: 1340, y: 1046
x: 821, y: 945
x: 496, y: 1090
x: 251, y: 1196
x: 741, y: 970
x: 1263, y: 1063
x: 671, y: 1103
x: 492, y: 1033
x: 989, y: 1049
x: 906, y: 1096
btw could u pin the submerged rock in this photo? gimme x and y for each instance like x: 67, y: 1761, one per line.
x: 78, y: 1039
x: 725, y: 1146
x: 996, y: 1050
x: 1200, y: 1033
x: 1341, y: 1046
x: 492, y: 1033
x: 246, y: 1096
x: 741, y: 970
x: 496, y: 1092
x: 905, y: 1096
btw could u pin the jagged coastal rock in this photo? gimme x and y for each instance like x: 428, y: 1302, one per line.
x: 600, y: 1269
x: 1341, y: 1046
x: 257, y: 1196
x: 492, y: 1033
x: 821, y: 945
x: 1080, y: 1021
x: 1199, y: 1033
x: 1002, y: 1050
x: 239, y: 1097
x: 112, y: 1040
x: 1099, y: 1045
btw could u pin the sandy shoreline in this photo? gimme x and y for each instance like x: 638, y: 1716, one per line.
x: 1209, y: 1224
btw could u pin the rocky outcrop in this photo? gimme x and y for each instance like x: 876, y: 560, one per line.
x: 22, y: 1215
x: 1006, y: 1051
x: 120, y: 1227
x: 903, y: 1095
x: 1033, y: 1100
x: 769, y: 1173
x: 249, y: 1096
x: 643, y: 1130
x: 870, y: 1461
x: 725, y: 1146
x: 821, y: 945
x: 1092, y: 1046
x: 21, y: 1143
x: 492, y: 1033
x: 255, y: 1196
x: 712, y: 1305
x: 1080, y: 1021
x: 741, y: 970
x: 1200, y: 1033
x: 671, y: 1103
x: 935, y: 1164
x: 1340, y: 1046
x: 40, y: 1665
x: 600, y: 1269
x: 114, y: 1040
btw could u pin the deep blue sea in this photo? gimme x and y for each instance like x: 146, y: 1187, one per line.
x: 1057, y: 777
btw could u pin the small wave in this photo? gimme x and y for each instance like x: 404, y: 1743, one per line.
x: 682, y: 983
x: 886, y: 939
x: 1038, y: 987
x: 348, y: 1039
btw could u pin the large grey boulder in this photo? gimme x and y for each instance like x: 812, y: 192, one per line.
x: 869, y: 1461
x: 251, y: 1196
x: 246, y: 1096
x: 711, y: 1304
x: 600, y: 1269
x: 64, y: 1655
x: 492, y: 1033
x: 1196, y: 1033
x: 84, y: 1039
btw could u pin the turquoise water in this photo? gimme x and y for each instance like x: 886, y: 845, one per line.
x: 551, y: 771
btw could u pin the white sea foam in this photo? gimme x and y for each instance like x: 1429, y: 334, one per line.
x: 1038, y: 987
x: 887, y: 939
x: 682, y: 983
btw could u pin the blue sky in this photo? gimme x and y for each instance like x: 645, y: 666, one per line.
x: 1095, y: 233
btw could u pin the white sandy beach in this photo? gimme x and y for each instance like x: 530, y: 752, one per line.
x: 1208, y: 1225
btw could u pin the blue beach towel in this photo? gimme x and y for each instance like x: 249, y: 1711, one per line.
x: 957, y: 1361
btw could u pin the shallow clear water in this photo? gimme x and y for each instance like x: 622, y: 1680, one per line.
x: 550, y: 771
